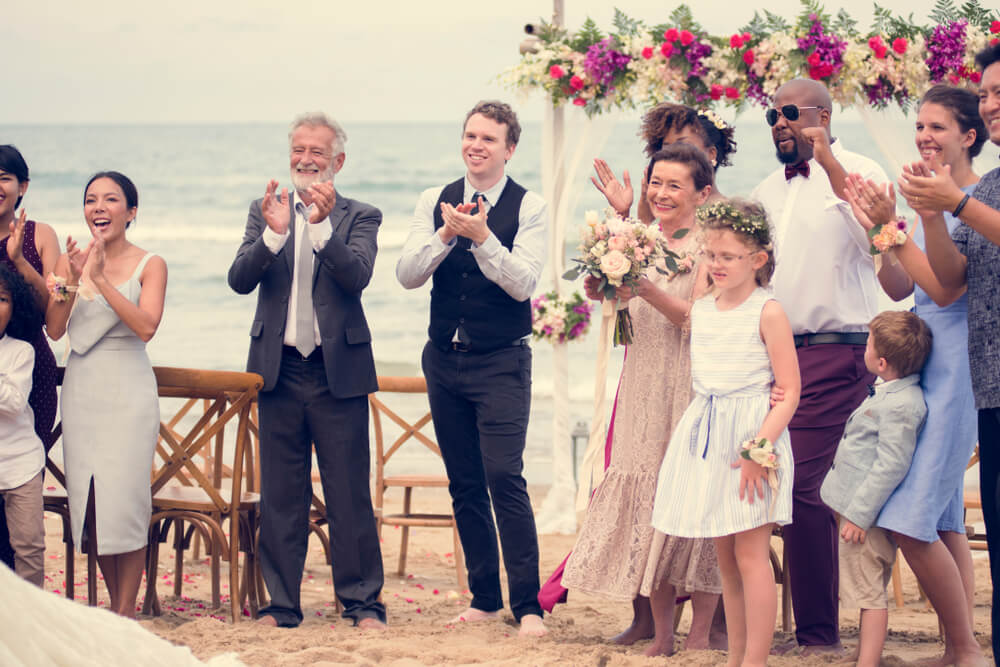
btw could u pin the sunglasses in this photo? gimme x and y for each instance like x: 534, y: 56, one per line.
x: 789, y: 111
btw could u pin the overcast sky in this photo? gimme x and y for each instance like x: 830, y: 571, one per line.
x: 187, y: 61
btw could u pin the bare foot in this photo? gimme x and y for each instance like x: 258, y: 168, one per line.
x: 371, y: 623
x: 532, y: 626
x: 267, y: 620
x: 660, y: 647
x: 636, y: 632
x: 697, y: 644
x: 473, y: 615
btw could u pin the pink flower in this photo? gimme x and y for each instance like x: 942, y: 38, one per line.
x: 954, y: 79
x: 813, y: 58
x: 880, y: 52
x: 995, y: 27
x: 736, y: 41
x: 579, y: 101
x: 899, y: 45
x: 556, y: 72
x: 686, y: 37
x: 976, y: 77
x: 746, y: 37
x: 994, y: 41
x: 617, y: 243
x: 639, y: 255
x: 666, y: 49
x: 647, y: 52
x: 874, y: 42
x: 576, y: 83
x: 671, y: 35
x: 732, y: 93
x: 748, y: 57
x: 715, y: 90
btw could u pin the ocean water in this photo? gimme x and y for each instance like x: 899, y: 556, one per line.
x: 196, y: 183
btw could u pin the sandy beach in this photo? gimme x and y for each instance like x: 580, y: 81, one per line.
x: 421, y: 601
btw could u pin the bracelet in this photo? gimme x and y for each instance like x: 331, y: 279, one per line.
x: 961, y: 205
x: 887, y: 235
x: 57, y: 286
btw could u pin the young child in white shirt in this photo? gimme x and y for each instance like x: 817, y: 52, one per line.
x: 22, y: 456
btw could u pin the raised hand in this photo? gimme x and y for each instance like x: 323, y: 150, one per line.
x: 77, y: 258
x: 645, y: 212
x: 323, y: 197
x: 817, y: 137
x: 929, y: 187
x: 95, y: 265
x: 461, y: 223
x: 870, y: 203
x: 275, y: 209
x: 619, y: 195
x: 15, y: 241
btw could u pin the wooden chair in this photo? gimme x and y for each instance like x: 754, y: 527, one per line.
x: 972, y: 501
x: 183, y: 492
x: 781, y: 578
x: 383, y: 482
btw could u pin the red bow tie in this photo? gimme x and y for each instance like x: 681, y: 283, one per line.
x: 793, y: 170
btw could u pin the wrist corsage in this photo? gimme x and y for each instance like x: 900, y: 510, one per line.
x: 760, y: 451
x: 57, y: 287
x: 887, y: 235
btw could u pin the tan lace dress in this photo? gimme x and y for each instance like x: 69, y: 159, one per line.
x: 618, y: 554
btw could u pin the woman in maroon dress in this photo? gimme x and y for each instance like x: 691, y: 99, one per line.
x: 31, y: 248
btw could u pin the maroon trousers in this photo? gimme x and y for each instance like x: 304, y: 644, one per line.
x: 834, y: 382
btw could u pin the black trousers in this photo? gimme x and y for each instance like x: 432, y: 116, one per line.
x: 480, y: 404
x: 989, y: 486
x: 296, y: 414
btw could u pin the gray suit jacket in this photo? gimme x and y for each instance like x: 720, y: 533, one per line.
x: 342, y: 269
x: 875, y: 451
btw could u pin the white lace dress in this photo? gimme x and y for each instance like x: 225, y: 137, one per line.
x: 618, y: 555
x: 698, y: 490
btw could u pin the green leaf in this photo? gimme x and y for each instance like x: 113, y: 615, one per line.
x: 572, y: 274
x: 978, y: 15
x: 944, y: 12
x: 625, y: 25
x: 680, y: 233
x: 682, y: 18
x: 588, y: 35
x: 777, y: 23
x: 845, y: 25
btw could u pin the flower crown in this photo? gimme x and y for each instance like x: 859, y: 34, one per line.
x: 752, y: 224
x: 714, y: 118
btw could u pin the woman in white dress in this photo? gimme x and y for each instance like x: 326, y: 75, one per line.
x: 111, y: 306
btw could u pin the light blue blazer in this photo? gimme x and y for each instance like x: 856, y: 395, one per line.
x: 875, y: 451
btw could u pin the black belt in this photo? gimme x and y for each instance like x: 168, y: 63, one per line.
x: 831, y: 338
x: 456, y: 346
x: 292, y: 351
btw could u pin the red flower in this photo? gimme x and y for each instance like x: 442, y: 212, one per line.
x: 556, y: 72
x: 736, y: 41
x: 874, y: 42
x: 671, y: 35
x: 995, y: 27
x: 746, y: 37
x: 715, y: 90
x: 732, y: 93
x: 813, y: 58
x: 954, y: 78
x: 576, y: 83
x: 975, y: 77
x: 820, y: 71
x: 579, y: 101
x: 899, y: 45
x: 647, y: 52
x: 994, y: 41
x: 748, y: 57
x: 666, y: 49
x: 686, y: 37
x: 880, y: 52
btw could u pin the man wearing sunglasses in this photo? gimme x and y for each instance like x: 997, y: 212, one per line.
x: 825, y: 280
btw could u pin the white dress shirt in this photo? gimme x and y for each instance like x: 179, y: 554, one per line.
x: 319, y: 235
x: 21, y: 451
x: 515, y: 271
x: 824, y: 276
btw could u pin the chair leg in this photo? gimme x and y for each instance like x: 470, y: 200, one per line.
x: 150, y: 604
x: 215, y: 570
x: 405, y: 538
x: 463, y: 582
x: 786, y: 592
x: 897, y: 585
x: 179, y: 539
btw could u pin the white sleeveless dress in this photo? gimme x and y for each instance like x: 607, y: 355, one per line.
x: 697, y: 494
x: 111, y: 418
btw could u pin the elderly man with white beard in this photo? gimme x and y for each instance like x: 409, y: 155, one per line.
x: 309, y: 259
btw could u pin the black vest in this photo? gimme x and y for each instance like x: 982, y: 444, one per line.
x: 462, y: 295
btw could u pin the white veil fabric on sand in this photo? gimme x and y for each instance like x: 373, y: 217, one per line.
x: 42, y: 629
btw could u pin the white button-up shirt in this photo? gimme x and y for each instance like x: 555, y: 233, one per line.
x: 825, y: 276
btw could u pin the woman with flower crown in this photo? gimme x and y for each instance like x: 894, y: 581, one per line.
x: 618, y: 555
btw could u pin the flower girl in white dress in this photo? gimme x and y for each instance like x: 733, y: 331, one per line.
x: 728, y: 469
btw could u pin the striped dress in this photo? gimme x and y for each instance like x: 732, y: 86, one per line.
x: 697, y: 494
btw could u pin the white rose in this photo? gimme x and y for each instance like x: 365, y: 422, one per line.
x: 591, y: 217
x: 615, y: 265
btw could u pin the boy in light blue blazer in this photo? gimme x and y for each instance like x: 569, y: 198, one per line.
x: 872, y: 458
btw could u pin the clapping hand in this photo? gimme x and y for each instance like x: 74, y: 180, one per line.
x: 460, y: 221
x: 77, y: 258
x: 619, y: 196
x: 95, y: 265
x: 929, y: 188
x: 872, y: 205
x: 275, y: 209
x: 323, y: 197
x: 15, y: 241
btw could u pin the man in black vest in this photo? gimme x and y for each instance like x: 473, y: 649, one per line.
x: 482, y: 239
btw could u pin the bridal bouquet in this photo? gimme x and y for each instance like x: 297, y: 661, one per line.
x: 618, y: 251
x: 559, y: 321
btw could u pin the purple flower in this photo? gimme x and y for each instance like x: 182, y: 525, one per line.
x: 602, y: 62
x: 826, y: 52
x: 946, y: 49
x: 694, y: 54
